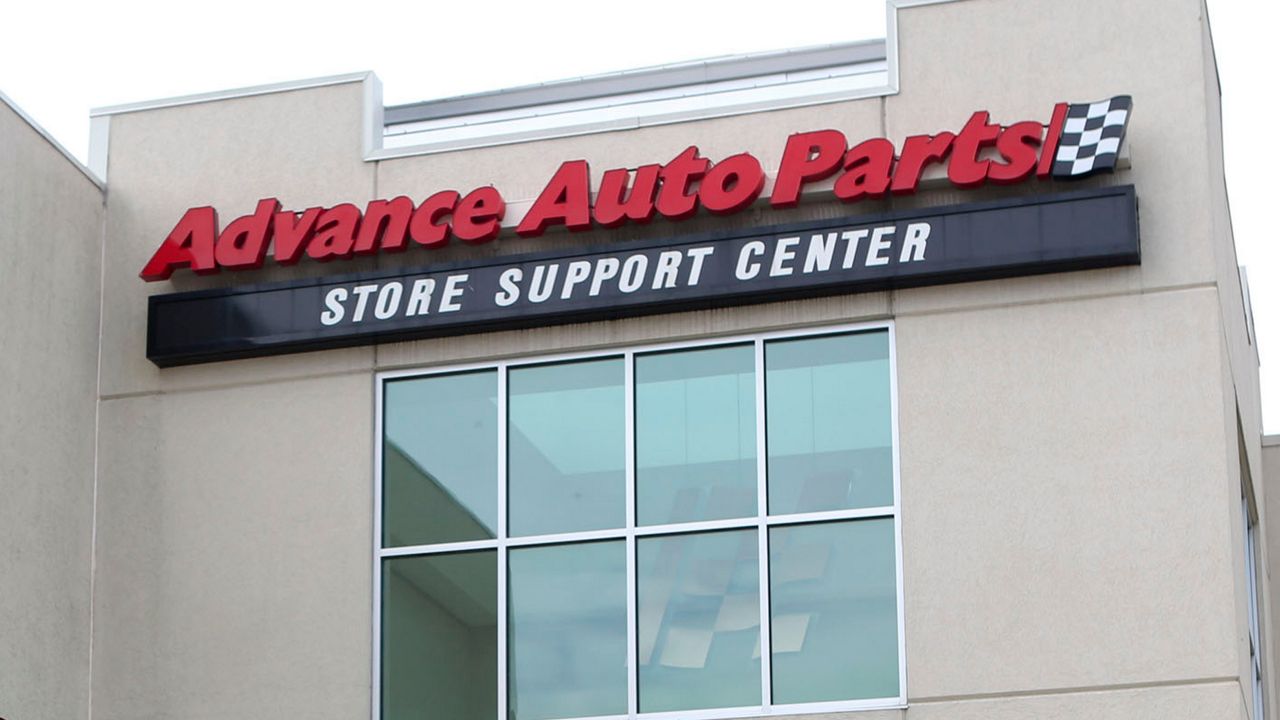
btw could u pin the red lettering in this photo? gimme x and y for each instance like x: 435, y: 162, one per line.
x: 293, y: 234
x: 611, y: 210
x: 566, y: 199
x: 1017, y: 144
x: 335, y: 233
x: 243, y: 243
x: 425, y: 227
x: 808, y: 157
x: 1051, y: 137
x: 917, y: 152
x: 732, y: 184
x: 979, y: 153
x: 479, y: 216
x: 385, y: 219
x: 965, y: 169
x: 868, y: 169
x: 675, y: 202
x: 189, y: 244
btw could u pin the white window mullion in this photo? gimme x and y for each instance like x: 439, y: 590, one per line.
x: 762, y: 531
x: 379, y: 441
x: 633, y: 654
x: 502, y: 542
x: 438, y: 548
x: 1251, y: 587
x: 631, y: 532
x: 897, y: 512
x: 502, y: 632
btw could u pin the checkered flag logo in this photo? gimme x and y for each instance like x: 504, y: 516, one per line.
x: 1091, y: 137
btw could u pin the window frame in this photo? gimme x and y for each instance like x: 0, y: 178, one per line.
x: 761, y: 521
x: 1252, y: 588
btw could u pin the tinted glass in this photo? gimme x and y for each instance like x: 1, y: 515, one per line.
x: 830, y: 430
x: 440, y: 459
x: 699, y: 621
x: 566, y: 447
x: 695, y: 435
x: 439, y: 637
x: 834, y: 611
x: 567, y: 652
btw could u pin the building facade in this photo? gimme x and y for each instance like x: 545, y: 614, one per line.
x: 832, y: 382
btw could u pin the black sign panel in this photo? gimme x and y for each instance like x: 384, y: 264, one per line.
x: 1073, y: 231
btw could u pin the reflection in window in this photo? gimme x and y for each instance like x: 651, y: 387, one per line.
x: 566, y: 447
x: 568, y: 632
x: 440, y: 459
x: 696, y: 435
x: 699, y: 621
x: 830, y: 433
x: 833, y: 606
x: 605, y: 615
x: 439, y: 637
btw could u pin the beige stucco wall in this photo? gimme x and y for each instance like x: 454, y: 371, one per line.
x: 1270, y: 462
x: 50, y: 249
x: 1070, y: 478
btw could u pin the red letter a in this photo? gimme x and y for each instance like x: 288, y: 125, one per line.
x: 190, y: 244
x: 566, y: 199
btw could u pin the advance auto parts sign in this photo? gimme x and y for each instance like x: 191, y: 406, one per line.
x: 979, y: 241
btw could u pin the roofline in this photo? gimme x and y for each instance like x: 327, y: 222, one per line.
x: 658, y: 77
x: 8, y: 102
x: 229, y: 94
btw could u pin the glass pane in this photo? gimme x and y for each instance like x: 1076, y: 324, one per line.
x: 830, y: 431
x: 440, y: 459
x: 695, y: 435
x: 440, y: 637
x: 566, y: 447
x: 699, y: 621
x: 567, y: 652
x: 833, y: 603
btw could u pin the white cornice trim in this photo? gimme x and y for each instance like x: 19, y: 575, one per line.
x: 230, y: 94
x: 49, y: 139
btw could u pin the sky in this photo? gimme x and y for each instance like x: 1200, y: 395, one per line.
x: 58, y: 59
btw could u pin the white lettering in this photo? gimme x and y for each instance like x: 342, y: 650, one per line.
x: 420, y: 297
x: 577, y: 271
x: 782, y: 253
x: 698, y: 254
x: 388, y: 300
x: 747, y: 270
x: 853, y: 237
x: 633, y: 273
x: 821, y: 250
x: 333, y: 302
x: 452, y: 292
x: 913, y: 246
x: 510, y: 292
x: 879, y: 244
x: 664, y: 275
x: 544, y: 277
x: 362, y: 293
x: 606, y: 269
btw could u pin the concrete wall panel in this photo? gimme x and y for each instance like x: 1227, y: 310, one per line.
x: 1016, y: 59
x: 303, y: 147
x: 1065, y: 520
x: 50, y: 270
x: 235, y: 538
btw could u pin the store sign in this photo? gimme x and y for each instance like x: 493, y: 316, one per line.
x: 1097, y: 228
x: 1077, y: 141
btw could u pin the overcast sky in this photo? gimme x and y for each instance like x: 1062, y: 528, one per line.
x: 58, y: 59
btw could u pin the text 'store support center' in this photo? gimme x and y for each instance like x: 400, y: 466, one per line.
x: 893, y: 379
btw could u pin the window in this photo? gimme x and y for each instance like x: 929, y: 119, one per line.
x: 695, y: 531
x: 1251, y: 586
